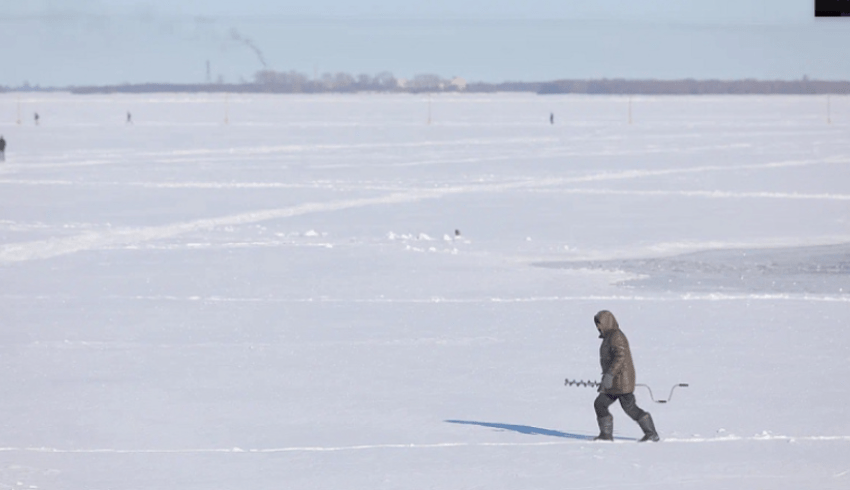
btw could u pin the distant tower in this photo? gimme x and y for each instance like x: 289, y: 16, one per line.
x: 209, y: 74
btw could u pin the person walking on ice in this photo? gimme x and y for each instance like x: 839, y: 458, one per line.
x: 618, y: 380
x: 2, y: 149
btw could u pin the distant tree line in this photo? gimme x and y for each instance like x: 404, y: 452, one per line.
x: 270, y: 81
x: 26, y: 87
x: 694, y: 87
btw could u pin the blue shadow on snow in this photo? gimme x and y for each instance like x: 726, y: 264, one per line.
x: 524, y: 429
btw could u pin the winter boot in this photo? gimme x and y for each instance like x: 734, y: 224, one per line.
x: 648, y: 427
x: 606, y: 428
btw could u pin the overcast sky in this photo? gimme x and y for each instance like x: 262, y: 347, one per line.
x: 76, y: 42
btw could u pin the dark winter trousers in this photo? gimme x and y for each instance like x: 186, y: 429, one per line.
x: 627, y: 401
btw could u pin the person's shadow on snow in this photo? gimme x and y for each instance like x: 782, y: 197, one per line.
x: 524, y: 429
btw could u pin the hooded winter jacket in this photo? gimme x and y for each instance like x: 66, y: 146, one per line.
x: 614, y: 355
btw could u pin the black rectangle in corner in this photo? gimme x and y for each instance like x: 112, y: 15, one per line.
x: 832, y: 8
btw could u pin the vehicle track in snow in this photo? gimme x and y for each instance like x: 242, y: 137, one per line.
x: 95, y: 240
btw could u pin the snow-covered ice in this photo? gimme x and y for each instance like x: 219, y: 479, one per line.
x: 189, y: 304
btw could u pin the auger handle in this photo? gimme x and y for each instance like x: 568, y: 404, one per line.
x: 683, y: 385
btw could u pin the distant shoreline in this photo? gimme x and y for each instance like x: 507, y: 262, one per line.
x: 603, y: 86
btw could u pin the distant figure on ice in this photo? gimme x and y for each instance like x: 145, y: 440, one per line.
x: 618, y: 380
x: 551, y: 118
x: 129, y: 118
x: 2, y: 149
x: 36, y: 118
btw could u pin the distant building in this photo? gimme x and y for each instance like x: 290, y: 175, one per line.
x: 459, y: 83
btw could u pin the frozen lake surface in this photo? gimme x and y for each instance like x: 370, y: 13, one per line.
x: 301, y: 292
